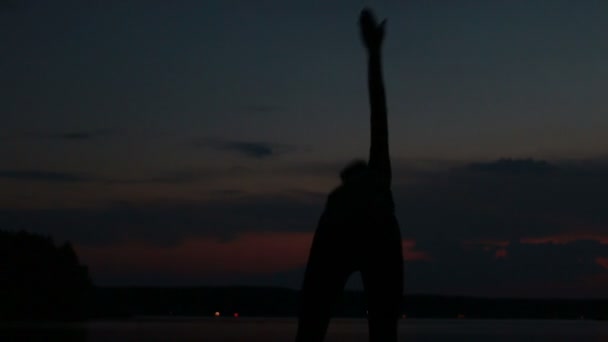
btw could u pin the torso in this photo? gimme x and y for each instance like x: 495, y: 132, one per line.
x: 358, y: 206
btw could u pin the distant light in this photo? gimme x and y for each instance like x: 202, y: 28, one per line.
x: 236, y: 315
x: 404, y: 316
x: 217, y: 314
x: 460, y: 316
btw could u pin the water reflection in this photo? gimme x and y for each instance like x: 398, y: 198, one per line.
x: 283, y: 329
x: 44, y: 332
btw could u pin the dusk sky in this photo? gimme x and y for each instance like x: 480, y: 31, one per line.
x: 194, y: 142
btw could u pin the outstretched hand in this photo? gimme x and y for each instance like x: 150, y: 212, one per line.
x: 372, y: 33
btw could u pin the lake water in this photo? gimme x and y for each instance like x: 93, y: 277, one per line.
x: 283, y: 329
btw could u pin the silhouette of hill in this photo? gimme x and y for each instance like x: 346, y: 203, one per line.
x: 282, y: 302
x: 41, y: 281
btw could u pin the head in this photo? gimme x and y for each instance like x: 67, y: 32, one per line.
x: 353, y: 171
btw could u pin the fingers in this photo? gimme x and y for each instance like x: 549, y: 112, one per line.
x: 372, y: 32
x: 381, y: 28
x: 367, y: 16
x: 367, y: 20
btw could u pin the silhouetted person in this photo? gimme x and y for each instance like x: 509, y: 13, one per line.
x: 358, y: 230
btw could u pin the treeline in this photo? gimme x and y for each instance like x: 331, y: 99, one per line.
x: 41, y: 281
x: 282, y: 302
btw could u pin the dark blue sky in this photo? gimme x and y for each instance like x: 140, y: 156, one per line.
x: 153, y: 127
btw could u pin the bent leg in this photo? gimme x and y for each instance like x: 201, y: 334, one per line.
x: 382, y: 276
x: 324, y: 282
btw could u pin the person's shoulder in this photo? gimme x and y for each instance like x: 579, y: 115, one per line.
x: 337, y: 191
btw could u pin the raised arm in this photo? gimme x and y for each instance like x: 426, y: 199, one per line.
x: 379, y: 158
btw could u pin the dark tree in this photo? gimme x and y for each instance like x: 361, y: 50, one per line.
x: 41, y: 281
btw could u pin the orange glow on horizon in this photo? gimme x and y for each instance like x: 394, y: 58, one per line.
x: 410, y: 254
x: 602, y: 261
x: 488, y: 242
x: 246, y: 254
x: 251, y: 253
x: 565, y: 238
x: 501, y: 253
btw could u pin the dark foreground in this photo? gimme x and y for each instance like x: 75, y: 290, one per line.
x: 283, y: 329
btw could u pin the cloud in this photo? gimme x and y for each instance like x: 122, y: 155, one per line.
x: 263, y: 108
x: 183, y: 176
x: 67, y: 136
x: 505, y: 201
x: 514, y: 166
x: 39, y: 175
x: 166, y: 223
x: 250, y: 149
x: 76, y: 136
x: 60, y: 176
